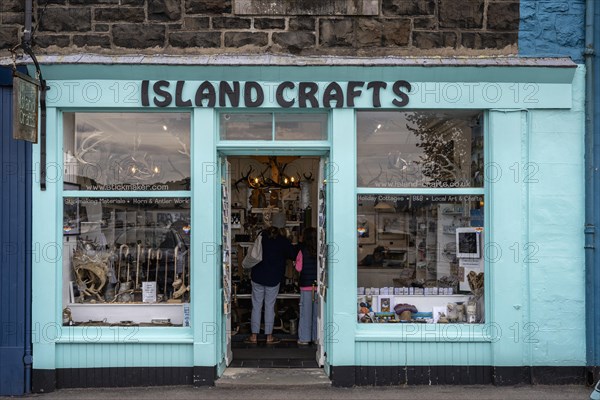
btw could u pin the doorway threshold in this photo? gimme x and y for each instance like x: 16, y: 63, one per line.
x: 273, y: 377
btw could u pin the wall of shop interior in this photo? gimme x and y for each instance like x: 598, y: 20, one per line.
x: 548, y: 213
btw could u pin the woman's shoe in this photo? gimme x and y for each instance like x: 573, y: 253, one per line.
x: 273, y: 340
x: 301, y: 343
x: 249, y: 340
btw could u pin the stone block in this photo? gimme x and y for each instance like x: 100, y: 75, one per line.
x: 119, y: 14
x: 239, y: 39
x: 432, y: 40
x: 427, y: 23
x: 488, y: 40
x: 336, y: 32
x: 306, y: 7
x: 208, y: 6
x: 195, y: 39
x: 407, y: 7
x: 139, y: 3
x: 269, y: 23
x: 78, y: 19
x: 9, y: 36
x: 100, y: 27
x: 55, y: 2
x: 503, y: 16
x: 164, y: 10
x: 302, y: 24
x: 396, y: 32
x: 461, y: 14
x: 230, y: 23
x: 195, y: 23
x: 570, y: 31
x: 369, y: 32
x: 12, y: 6
x: 93, y: 2
x: 12, y: 18
x: 294, y: 42
x: 554, y: 7
x: 51, y: 40
x: 138, y: 36
x: 91, y: 40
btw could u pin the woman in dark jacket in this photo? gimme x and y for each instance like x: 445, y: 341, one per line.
x: 266, y: 277
x: 306, y: 264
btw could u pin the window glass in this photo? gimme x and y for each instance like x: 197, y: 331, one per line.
x: 126, y: 252
x: 246, y: 126
x: 440, y: 149
x: 126, y: 151
x: 300, y: 126
x: 407, y: 255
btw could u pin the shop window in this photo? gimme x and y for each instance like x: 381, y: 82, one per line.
x: 273, y: 126
x: 128, y: 252
x: 126, y: 256
x: 420, y: 256
x: 300, y: 126
x: 126, y: 151
x: 425, y: 149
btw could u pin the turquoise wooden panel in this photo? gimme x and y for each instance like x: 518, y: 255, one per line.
x: 82, y: 94
x: 434, y: 72
x: 46, y: 253
x: 105, y: 355
x: 431, y: 353
x: 556, y: 334
x: 340, y: 329
x: 205, y: 240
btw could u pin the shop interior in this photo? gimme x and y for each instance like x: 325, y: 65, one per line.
x: 420, y: 258
x: 262, y: 190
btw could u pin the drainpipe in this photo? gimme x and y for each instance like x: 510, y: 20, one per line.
x: 591, y: 194
x: 28, y: 14
x: 28, y: 350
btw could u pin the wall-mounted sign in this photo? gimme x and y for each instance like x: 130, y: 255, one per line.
x: 287, y: 94
x: 25, y: 107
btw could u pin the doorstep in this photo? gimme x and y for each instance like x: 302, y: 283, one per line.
x: 273, y: 377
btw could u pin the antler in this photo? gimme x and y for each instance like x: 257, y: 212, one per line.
x: 84, y: 148
x: 244, y: 178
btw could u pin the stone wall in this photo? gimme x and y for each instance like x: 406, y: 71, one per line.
x: 310, y: 27
x: 553, y: 28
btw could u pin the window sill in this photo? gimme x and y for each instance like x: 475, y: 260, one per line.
x: 407, y: 332
x: 123, y: 334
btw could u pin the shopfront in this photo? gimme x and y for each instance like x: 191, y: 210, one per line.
x: 448, y: 201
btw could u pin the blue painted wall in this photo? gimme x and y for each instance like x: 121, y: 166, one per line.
x: 552, y: 28
x: 15, y: 238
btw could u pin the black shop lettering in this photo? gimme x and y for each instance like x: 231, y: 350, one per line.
x: 287, y: 94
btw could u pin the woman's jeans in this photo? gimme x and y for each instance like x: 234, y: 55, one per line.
x: 268, y: 294
x: 307, y: 328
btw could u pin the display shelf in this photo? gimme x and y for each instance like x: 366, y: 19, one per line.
x: 134, y: 312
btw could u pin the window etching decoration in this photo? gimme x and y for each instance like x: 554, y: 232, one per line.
x: 437, y: 149
x: 127, y: 151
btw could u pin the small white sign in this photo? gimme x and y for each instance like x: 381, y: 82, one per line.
x: 149, y: 292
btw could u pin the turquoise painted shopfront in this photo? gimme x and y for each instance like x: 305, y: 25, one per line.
x: 381, y: 150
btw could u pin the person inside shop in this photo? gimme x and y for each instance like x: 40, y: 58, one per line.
x: 306, y: 265
x: 266, y: 276
x: 375, y: 259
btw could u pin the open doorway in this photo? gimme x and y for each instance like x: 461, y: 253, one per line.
x: 286, y: 192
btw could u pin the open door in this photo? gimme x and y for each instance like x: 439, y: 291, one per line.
x: 322, y: 260
x: 226, y: 258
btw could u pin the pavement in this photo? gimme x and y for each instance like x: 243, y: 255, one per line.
x: 312, y: 383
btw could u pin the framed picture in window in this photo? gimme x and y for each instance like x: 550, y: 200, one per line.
x: 386, y: 303
x: 237, y: 218
x: 366, y: 229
